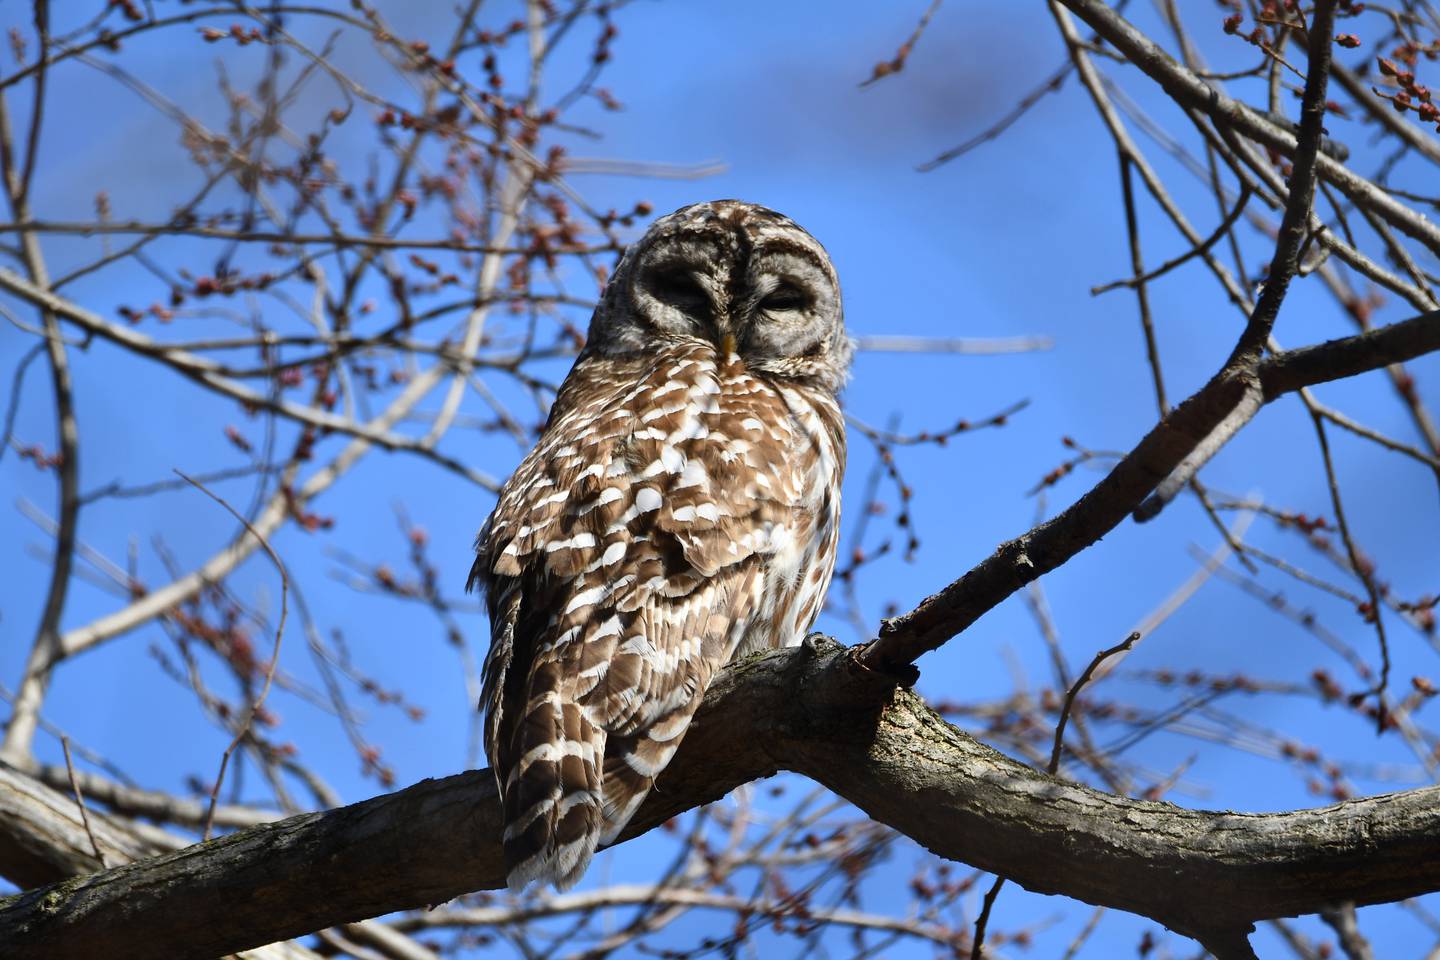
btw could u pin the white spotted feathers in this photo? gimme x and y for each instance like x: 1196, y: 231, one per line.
x: 681, y: 508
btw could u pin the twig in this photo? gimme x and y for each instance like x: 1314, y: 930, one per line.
x: 1065, y: 708
x: 1389, y: 443
x: 977, y: 946
x: 1246, y: 192
x: 1084, y: 934
x: 1341, y: 918
x: 994, y: 131
x: 649, y: 894
x: 1209, y: 566
x: 13, y: 408
x: 1293, y: 225
x: 1097, y: 87
x: 207, y: 373
x: 1142, y: 291
x: 339, y: 241
x: 276, y: 512
x: 80, y: 802
x: 1384, y: 113
x: 274, y: 654
x: 1360, y: 567
x: 893, y: 66
x: 157, y: 805
x: 1190, y: 91
x: 889, y: 436
x: 977, y: 943
x: 980, y: 346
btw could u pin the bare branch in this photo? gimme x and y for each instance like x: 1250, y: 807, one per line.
x: 1350, y: 356
x: 1343, y: 921
x: 980, y: 346
x: 282, y: 238
x: 977, y: 944
x: 1176, y: 437
x: 1194, y: 251
x: 1191, y: 91
x: 206, y: 373
x: 1074, y: 691
x: 20, y: 731
x: 80, y: 803
x: 259, y: 700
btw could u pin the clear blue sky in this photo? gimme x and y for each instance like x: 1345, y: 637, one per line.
x: 1005, y: 242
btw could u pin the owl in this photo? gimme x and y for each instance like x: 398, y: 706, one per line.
x: 680, y: 510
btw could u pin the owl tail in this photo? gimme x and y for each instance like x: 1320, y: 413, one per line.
x: 551, y: 788
x: 574, y: 788
x: 633, y: 762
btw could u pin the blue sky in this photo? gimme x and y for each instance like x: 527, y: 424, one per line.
x: 1004, y: 242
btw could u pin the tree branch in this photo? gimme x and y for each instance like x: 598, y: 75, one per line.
x: 46, y: 840
x: 1295, y: 222
x: 815, y: 710
x: 207, y: 374
x: 1337, y: 359
x: 280, y: 237
x: 1189, y: 90
x: 1176, y: 437
x: 20, y: 731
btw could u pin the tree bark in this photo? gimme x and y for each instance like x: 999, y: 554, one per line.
x: 815, y: 710
x: 44, y: 839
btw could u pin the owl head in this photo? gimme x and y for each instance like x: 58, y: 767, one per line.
x: 736, y: 275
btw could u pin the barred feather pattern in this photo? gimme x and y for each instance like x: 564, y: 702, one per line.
x: 678, y: 511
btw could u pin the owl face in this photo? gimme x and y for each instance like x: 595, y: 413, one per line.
x: 743, y: 278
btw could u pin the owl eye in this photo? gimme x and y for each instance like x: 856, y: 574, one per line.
x: 680, y: 289
x: 784, y: 298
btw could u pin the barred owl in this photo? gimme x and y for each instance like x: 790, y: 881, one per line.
x: 680, y: 510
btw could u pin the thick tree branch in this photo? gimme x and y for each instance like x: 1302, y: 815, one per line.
x: 815, y: 710
x: 1337, y: 359
x: 46, y: 840
x: 1176, y: 437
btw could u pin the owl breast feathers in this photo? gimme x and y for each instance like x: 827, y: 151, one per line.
x: 680, y: 509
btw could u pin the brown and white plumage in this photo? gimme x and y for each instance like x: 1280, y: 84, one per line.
x: 680, y: 509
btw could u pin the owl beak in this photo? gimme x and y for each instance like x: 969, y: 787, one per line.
x: 727, y: 345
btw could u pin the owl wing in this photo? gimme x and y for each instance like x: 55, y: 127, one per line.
x: 625, y: 562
